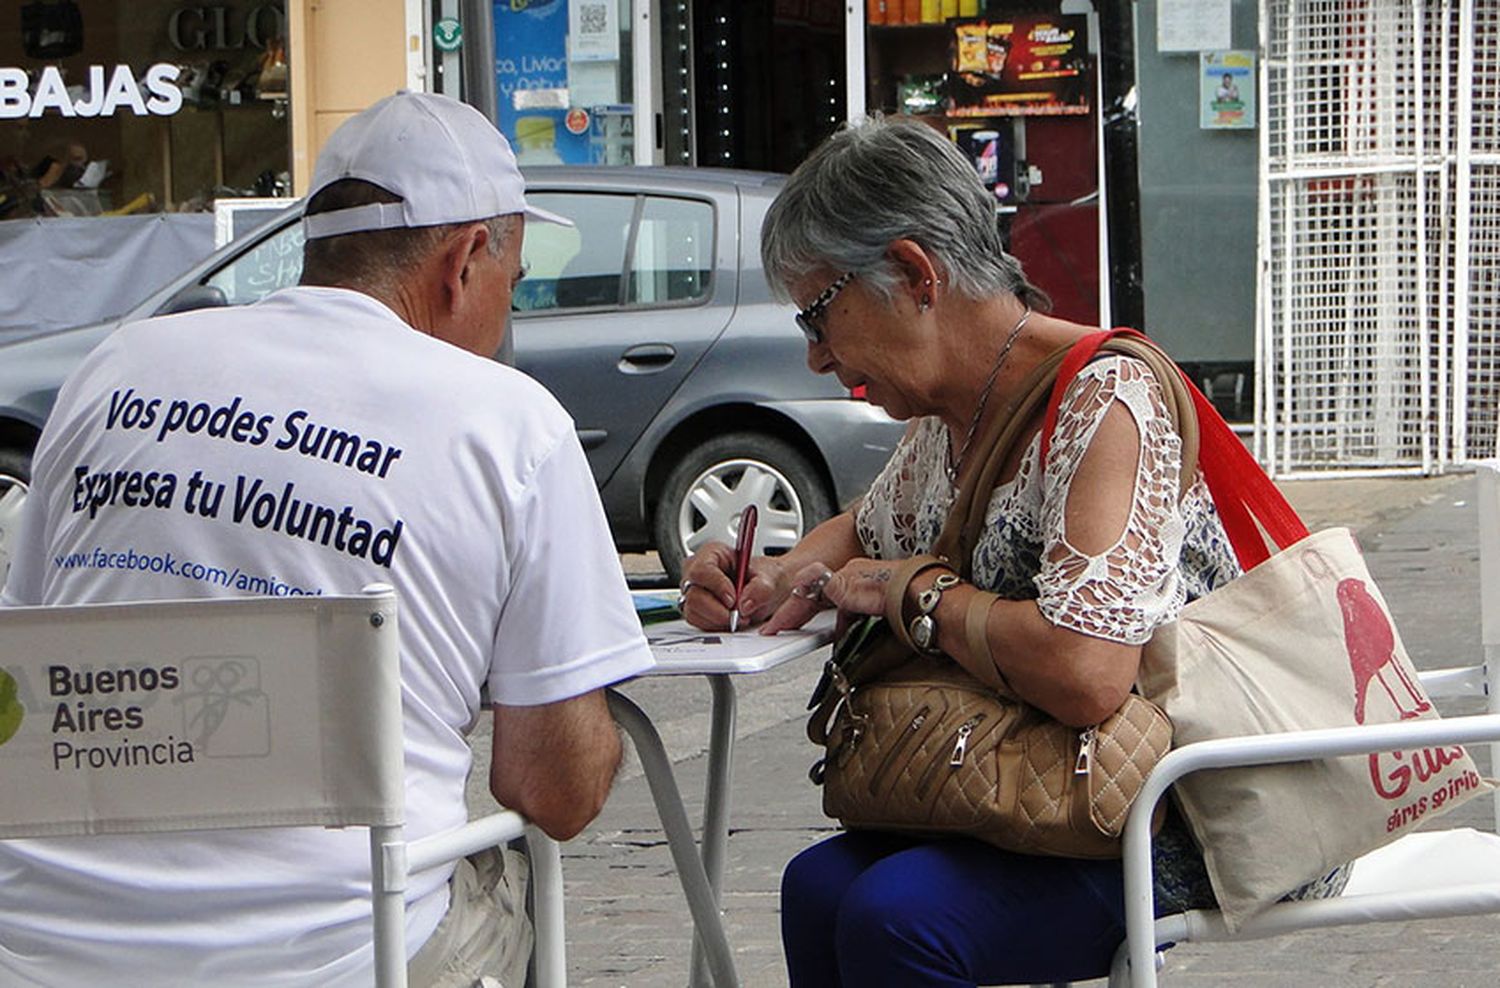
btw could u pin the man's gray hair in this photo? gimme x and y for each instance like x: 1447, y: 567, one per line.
x: 881, y: 180
x: 378, y: 260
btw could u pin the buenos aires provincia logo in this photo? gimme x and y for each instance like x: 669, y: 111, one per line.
x: 11, y: 710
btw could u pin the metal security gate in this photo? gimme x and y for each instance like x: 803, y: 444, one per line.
x: 1376, y: 336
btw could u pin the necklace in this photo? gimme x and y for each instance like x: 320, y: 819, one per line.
x: 956, y: 463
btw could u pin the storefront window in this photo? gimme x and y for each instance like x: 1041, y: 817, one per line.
x: 111, y: 107
x: 563, y: 80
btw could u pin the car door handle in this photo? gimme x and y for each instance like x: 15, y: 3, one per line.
x: 591, y: 438
x: 647, y: 358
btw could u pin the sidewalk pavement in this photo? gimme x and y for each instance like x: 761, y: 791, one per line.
x: 628, y: 924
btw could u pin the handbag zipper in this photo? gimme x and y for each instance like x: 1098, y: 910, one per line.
x: 931, y: 773
x: 1085, y: 750
x: 961, y: 743
x: 899, y: 750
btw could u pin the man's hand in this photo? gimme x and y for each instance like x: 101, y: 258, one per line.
x: 554, y: 763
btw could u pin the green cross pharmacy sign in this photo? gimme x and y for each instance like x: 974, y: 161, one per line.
x: 448, y: 34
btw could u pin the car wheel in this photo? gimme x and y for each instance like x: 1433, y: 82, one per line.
x: 15, y: 476
x: 706, y: 492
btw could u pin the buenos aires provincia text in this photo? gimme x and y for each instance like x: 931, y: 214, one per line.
x: 96, y: 708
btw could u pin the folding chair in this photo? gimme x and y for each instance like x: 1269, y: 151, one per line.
x: 1417, y: 877
x: 275, y: 712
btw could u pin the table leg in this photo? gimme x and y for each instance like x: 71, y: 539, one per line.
x: 716, y: 803
x: 701, y: 900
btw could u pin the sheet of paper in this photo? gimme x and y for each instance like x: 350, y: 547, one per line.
x: 680, y: 648
x: 1192, y: 25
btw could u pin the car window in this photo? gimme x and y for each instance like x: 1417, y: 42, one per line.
x: 673, y: 257
x: 579, y: 266
x: 275, y: 262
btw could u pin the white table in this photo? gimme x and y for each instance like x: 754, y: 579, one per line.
x: 682, y: 650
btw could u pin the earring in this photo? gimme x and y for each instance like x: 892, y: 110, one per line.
x: 926, y: 303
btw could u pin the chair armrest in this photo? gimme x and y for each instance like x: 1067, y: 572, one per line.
x: 1260, y: 749
x: 476, y: 835
x: 546, y: 871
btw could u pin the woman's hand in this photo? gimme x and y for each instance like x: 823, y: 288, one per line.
x: 707, y: 588
x: 857, y: 588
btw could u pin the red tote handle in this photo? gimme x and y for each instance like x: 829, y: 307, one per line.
x: 1242, y: 493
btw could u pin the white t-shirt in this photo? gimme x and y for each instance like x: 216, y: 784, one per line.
x: 310, y: 443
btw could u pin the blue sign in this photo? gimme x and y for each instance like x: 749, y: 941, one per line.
x: 531, y: 81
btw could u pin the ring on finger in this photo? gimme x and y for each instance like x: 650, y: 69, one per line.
x: 682, y: 592
x: 813, y: 589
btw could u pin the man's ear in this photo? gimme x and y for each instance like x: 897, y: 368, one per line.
x: 458, y: 257
x: 915, y: 265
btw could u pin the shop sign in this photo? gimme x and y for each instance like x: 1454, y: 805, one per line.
x: 1022, y: 66
x: 212, y: 28
x: 157, y: 94
x: 448, y: 34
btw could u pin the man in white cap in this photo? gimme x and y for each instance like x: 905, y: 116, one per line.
x: 347, y: 431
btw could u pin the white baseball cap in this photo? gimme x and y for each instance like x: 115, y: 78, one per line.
x: 443, y: 158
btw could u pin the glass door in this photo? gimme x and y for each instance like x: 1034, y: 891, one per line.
x: 565, y: 80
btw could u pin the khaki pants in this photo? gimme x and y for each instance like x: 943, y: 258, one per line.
x: 485, y: 937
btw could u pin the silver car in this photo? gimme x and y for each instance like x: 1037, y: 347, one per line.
x: 650, y: 320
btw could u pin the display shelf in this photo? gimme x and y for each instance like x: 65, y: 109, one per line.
x: 934, y: 27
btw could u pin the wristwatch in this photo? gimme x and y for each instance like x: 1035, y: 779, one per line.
x: 924, y: 632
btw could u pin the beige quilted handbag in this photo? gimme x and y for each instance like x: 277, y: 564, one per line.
x: 915, y: 743
x: 927, y: 748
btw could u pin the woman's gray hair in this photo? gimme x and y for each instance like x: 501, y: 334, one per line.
x: 881, y: 180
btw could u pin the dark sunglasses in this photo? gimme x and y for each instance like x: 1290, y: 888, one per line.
x: 807, y: 319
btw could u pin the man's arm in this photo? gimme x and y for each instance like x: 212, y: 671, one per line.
x: 554, y: 763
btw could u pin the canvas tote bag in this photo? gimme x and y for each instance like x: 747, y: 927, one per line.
x: 1302, y: 640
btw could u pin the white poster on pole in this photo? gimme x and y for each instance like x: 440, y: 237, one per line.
x: 1192, y: 25
x: 593, y: 31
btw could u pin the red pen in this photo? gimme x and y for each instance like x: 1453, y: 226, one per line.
x: 743, y: 544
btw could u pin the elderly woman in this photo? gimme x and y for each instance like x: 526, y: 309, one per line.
x: 888, y: 242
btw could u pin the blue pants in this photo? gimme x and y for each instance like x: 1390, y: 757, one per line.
x: 866, y: 910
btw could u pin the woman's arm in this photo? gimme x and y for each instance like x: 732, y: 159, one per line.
x: 1076, y: 677
x: 1112, y: 537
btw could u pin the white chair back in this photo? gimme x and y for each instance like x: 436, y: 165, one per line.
x: 202, y: 714
x: 244, y: 712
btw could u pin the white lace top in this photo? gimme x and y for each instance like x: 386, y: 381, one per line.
x: 1168, y: 553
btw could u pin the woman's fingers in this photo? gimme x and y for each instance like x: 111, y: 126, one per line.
x: 860, y: 586
x: 707, y: 592
x: 762, y: 592
x: 803, y: 601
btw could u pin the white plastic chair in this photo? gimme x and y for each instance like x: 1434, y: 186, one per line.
x: 1425, y: 875
x: 292, y: 710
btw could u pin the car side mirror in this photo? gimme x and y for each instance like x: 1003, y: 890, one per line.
x: 194, y: 297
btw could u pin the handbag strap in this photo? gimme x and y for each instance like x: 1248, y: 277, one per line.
x: 960, y: 529
x: 1247, y: 501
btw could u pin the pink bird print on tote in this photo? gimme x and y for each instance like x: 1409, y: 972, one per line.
x: 1371, y: 643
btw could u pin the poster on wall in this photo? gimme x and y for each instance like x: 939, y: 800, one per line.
x: 1226, y: 90
x: 1192, y: 25
x: 595, y: 29
x: 991, y: 149
x: 1021, y: 66
x: 531, y: 82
